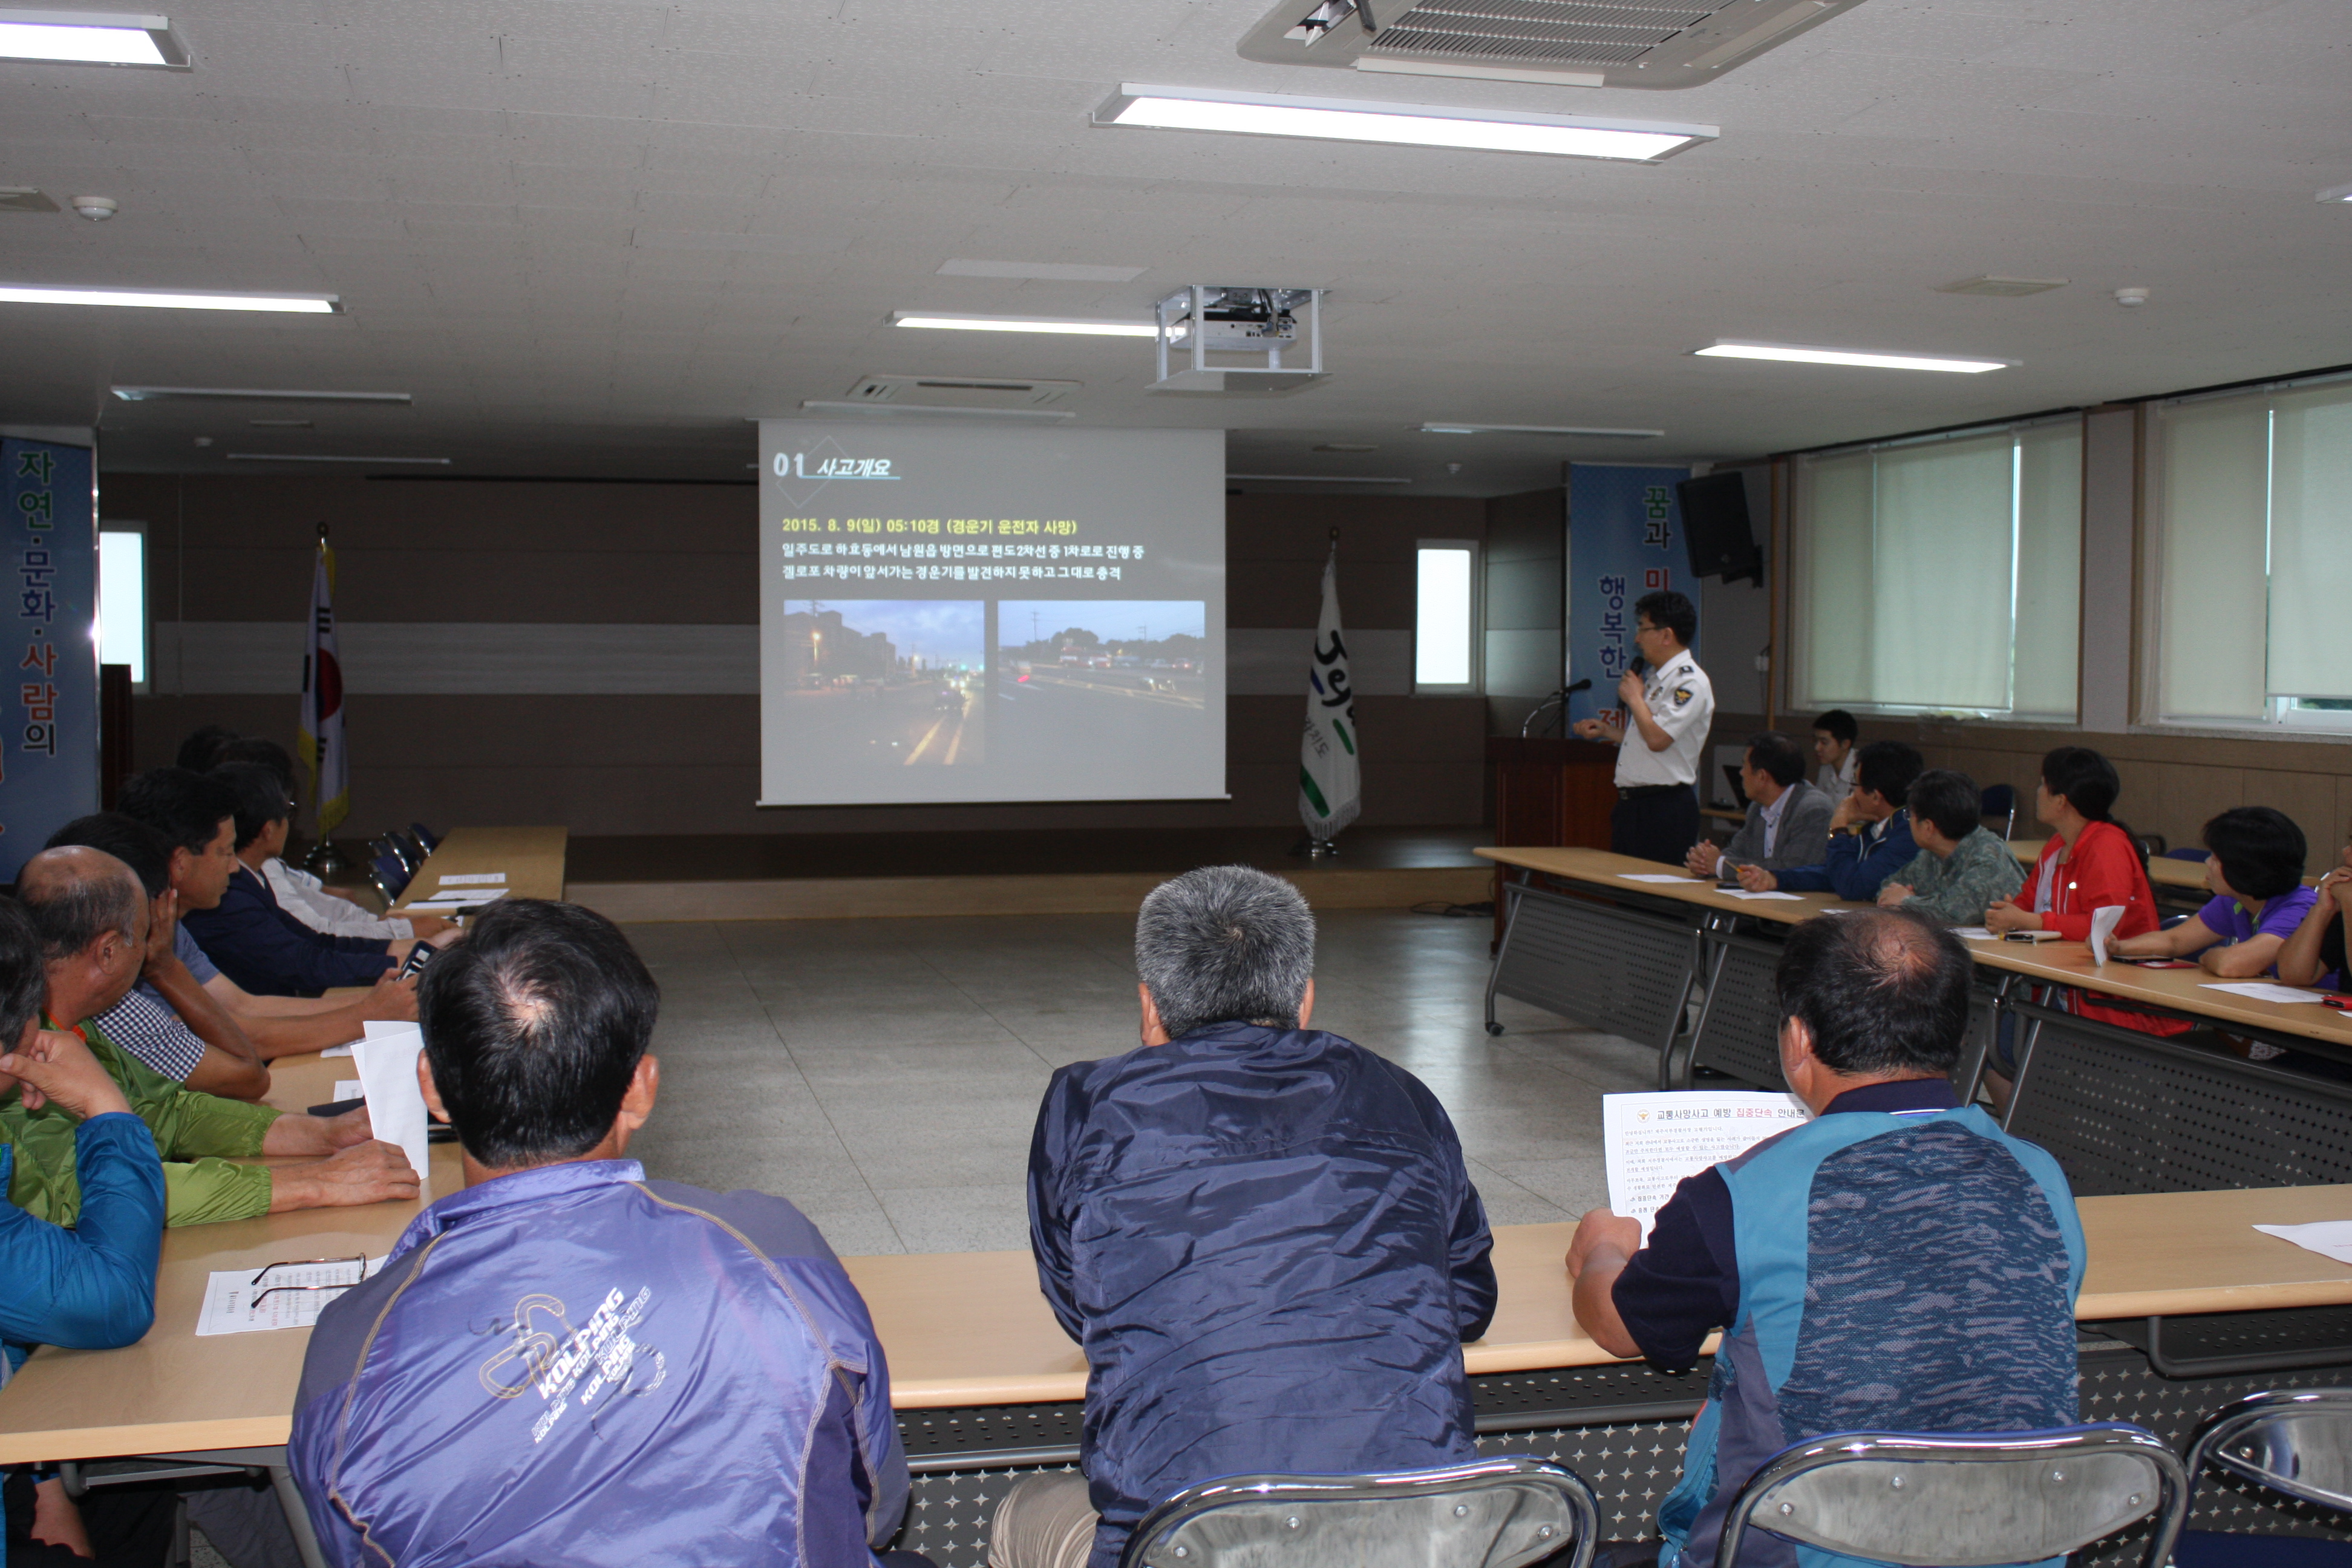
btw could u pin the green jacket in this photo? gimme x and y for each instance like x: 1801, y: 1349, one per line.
x: 1980, y: 872
x: 188, y: 1126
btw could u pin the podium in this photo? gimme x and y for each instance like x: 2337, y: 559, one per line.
x: 1549, y: 791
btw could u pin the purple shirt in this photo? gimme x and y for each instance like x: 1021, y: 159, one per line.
x: 2279, y: 918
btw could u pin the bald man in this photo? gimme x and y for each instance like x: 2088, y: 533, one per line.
x: 90, y: 915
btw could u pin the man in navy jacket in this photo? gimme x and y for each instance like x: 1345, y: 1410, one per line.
x: 1870, y: 836
x: 1264, y: 1236
x: 566, y: 1363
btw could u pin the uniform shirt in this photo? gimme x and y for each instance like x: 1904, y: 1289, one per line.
x: 2278, y: 917
x: 1683, y: 704
x: 304, y: 897
x: 1269, y: 1246
x: 572, y: 1365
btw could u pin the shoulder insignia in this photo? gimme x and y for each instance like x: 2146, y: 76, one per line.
x: 1682, y: 695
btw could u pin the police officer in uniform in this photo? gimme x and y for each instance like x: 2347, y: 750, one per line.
x: 1670, y: 706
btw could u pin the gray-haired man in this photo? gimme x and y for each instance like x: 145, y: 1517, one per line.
x: 1263, y: 1235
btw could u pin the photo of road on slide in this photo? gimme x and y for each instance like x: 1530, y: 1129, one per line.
x: 1099, y: 676
x: 887, y: 683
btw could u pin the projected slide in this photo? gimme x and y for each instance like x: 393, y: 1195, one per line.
x: 956, y: 614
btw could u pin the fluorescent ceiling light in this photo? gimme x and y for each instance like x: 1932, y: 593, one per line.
x: 2335, y: 194
x: 169, y: 300
x: 315, y: 457
x: 253, y: 394
x: 971, y: 323
x: 1448, y: 427
x: 1414, y: 124
x: 1801, y: 355
x: 1320, y: 478
x: 89, y: 38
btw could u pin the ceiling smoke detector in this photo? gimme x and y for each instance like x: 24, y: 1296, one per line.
x: 98, y: 209
x: 2131, y: 299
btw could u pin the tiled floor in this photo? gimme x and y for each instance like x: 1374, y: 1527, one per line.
x: 884, y: 1075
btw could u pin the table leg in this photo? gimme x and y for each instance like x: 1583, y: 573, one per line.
x: 1508, y: 892
x: 298, y: 1518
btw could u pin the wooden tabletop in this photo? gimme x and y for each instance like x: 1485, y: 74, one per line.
x: 2060, y: 963
x: 532, y: 859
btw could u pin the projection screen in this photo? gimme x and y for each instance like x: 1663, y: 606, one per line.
x: 989, y: 614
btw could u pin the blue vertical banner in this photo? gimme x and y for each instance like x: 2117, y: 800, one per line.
x: 1624, y: 540
x: 49, y: 723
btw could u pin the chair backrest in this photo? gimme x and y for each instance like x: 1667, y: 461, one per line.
x: 390, y: 877
x: 1489, y: 1513
x: 2297, y: 1442
x: 1956, y: 1499
x: 2188, y: 852
x: 2000, y: 801
x: 426, y: 837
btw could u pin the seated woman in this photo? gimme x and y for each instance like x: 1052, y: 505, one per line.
x: 2256, y: 873
x: 2314, y: 956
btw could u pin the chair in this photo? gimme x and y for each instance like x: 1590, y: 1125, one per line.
x: 1954, y: 1499
x: 2189, y: 852
x: 427, y: 839
x: 2297, y: 1443
x: 388, y: 877
x: 2001, y: 801
x: 1488, y: 1513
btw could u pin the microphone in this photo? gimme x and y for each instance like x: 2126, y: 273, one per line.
x: 1584, y: 684
x: 1639, y: 667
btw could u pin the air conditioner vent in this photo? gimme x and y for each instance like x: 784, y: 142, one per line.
x: 1643, y: 43
x: 960, y: 392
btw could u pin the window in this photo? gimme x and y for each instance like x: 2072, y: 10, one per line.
x: 1942, y: 576
x: 122, y: 597
x: 1445, y: 616
x: 2251, y: 548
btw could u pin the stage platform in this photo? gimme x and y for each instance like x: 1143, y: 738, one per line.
x: 1084, y: 871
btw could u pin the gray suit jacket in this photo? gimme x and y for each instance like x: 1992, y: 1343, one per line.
x: 1803, y: 838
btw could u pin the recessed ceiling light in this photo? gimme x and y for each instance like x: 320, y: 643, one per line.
x: 1450, y: 428
x: 89, y: 38
x: 1415, y: 124
x: 1797, y: 355
x: 1347, y: 446
x: 316, y: 458
x: 1999, y: 287
x: 1320, y: 478
x: 972, y: 324
x: 254, y: 394
x: 1044, y: 271
x: 168, y: 299
x: 2335, y: 194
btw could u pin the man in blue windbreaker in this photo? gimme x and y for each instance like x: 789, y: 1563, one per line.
x: 1264, y: 1236
x: 566, y: 1363
x: 1898, y: 1263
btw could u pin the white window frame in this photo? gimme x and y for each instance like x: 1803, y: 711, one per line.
x: 1474, y: 633
x: 146, y: 593
x: 2283, y: 718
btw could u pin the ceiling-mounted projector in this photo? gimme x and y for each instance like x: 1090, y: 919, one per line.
x: 1277, y: 334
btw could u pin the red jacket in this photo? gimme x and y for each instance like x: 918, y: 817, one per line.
x: 2104, y: 869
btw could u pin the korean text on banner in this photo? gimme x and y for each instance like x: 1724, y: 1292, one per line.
x: 1331, y: 789
x: 1624, y: 540
x: 322, y: 740
x: 49, y: 724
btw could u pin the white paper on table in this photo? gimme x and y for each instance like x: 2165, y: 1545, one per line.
x: 395, y: 1104
x: 457, y: 896
x: 337, y: 1050
x: 1654, y: 876
x: 451, y: 878
x: 2104, y: 920
x: 381, y: 1028
x: 2328, y: 1237
x: 1744, y: 893
x: 233, y: 1303
x: 2263, y: 991
x: 1975, y: 934
x: 350, y: 1089
x: 1651, y: 1142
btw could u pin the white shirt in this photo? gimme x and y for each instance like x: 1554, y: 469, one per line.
x: 1682, y: 703
x: 299, y: 895
x: 1772, y: 814
x: 1837, y: 783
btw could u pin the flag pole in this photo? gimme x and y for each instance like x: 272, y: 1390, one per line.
x: 321, y: 735
x: 1329, y: 781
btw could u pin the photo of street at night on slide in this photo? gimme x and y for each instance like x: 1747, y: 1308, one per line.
x: 886, y: 682
x: 1092, y: 658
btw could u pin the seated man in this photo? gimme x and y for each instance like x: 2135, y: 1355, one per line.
x: 168, y: 1020
x: 297, y: 892
x: 1834, y: 734
x: 229, y: 912
x: 1836, y: 1255
x: 1264, y: 1236
x: 733, y: 1404
x: 91, y: 1288
x: 91, y: 916
x: 1963, y: 868
x: 1787, y: 819
x: 2255, y: 871
x: 1870, y: 832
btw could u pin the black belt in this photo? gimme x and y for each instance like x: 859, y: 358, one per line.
x: 1635, y: 792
